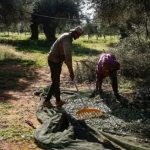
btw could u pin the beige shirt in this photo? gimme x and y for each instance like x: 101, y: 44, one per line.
x: 61, y: 50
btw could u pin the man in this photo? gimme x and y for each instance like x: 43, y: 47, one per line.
x: 107, y: 67
x: 60, y: 52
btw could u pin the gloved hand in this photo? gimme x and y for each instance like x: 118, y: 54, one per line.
x: 72, y: 75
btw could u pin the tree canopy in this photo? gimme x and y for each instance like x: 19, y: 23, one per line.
x: 33, y: 11
x: 125, y: 14
x: 54, y: 10
x: 14, y: 11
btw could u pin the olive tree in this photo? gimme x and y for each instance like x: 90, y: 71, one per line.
x: 128, y: 15
x: 14, y: 11
x: 50, y: 14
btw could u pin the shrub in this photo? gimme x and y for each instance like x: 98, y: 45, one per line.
x: 134, y: 57
x: 85, y: 70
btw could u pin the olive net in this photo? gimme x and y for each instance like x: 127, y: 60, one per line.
x: 60, y: 130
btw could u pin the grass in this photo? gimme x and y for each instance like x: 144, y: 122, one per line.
x: 7, y: 127
x: 16, y: 133
x: 29, y: 52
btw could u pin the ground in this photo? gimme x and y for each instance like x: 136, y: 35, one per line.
x: 24, y: 103
x: 18, y: 103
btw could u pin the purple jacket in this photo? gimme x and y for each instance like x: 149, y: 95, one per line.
x: 107, y: 64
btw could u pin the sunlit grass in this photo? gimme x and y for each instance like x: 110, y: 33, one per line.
x: 18, y: 36
x: 7, y: 51
x: 30, y: 50
x: 34, y: 53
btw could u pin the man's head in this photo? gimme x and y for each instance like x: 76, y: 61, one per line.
x: 77, y: 32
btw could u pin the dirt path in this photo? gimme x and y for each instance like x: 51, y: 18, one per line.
x: 23, y: 104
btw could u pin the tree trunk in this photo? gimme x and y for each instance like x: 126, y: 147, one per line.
x: 34, y: 31
x: 49, y: 32
x: 123, y: 33
x: 146, y: 26
x: 96, y: 37
x: 34, y: 28
x: 104, y: 36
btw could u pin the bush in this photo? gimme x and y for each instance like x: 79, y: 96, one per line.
x: 85, y: 70
x: 134, y: 57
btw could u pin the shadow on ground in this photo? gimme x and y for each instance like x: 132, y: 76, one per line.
x: 79, y: 50
x: 43, y: 46
x: 16, y: 75
x: 126, y: 106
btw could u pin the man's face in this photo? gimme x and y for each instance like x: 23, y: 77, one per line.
x: 76, y: 35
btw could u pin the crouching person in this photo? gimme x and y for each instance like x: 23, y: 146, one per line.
x: 107, y: 67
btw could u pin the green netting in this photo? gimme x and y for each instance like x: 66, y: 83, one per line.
x: 59, y: 130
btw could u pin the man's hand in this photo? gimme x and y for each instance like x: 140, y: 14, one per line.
x: 72, y: 75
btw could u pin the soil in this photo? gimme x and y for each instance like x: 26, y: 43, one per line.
x: 23, y: 100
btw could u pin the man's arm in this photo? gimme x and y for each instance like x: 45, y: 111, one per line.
x: 68, y: 57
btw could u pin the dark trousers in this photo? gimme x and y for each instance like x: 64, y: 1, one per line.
x: 114, y: 82
x: 55, y: 69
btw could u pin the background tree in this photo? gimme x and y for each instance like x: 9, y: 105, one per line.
x: 53, y: 8
x: 89, y: 28
x: 14, y: 11
x: 128, y: 15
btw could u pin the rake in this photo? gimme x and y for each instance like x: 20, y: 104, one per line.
x: 129, y: 92
x: 86, y: 113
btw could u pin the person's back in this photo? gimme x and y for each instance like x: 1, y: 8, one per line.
x: 107, y: 67
x: 106, y: 64
x: 57, y: 53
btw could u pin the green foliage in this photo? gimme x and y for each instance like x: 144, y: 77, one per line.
x: 134, y: 57
x: 128, y: 16
x: 118, y: 12
x: 89, y: 28
x: 61, y: 9
x: 18, y: 61
x: 14, y: 11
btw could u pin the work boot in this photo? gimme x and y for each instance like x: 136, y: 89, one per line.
x: 59, y: 103
x: 48, y: 104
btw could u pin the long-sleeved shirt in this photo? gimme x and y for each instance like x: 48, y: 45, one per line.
x: 107, y: 64
x: 61, y: 51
